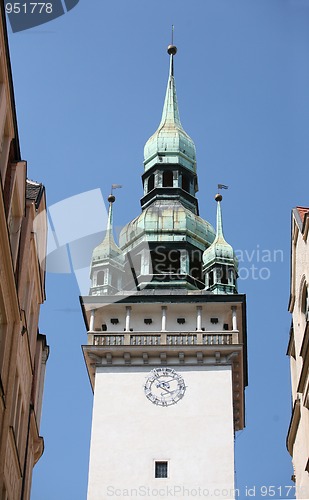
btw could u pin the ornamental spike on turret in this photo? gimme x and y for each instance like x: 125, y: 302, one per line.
x: 219, y: 261
x: 107, y: 260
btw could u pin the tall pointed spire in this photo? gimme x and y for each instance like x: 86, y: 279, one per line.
x: 111, y: 200
x: 170, y: 113
x: 219, y: 218
x: 108, y: 247
x: 170, y: 142
x: 219, y: 260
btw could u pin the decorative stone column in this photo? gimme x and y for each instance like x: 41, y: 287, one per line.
x: 163, y: 318
x: 91, y: 322
x: 128, y: 317
x: 234, y: 318
x: 199, y: 318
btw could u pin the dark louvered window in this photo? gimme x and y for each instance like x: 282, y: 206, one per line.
x: 161, y: 469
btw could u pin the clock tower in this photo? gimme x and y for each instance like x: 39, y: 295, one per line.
x: 166, y: 350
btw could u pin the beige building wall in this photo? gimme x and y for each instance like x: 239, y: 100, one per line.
x: 298, y: 350
x: 23, y: 351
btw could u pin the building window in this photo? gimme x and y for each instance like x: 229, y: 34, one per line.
x: 304, y: 300
x: 168, y: 178
x: 224, y: 275
x: 211, y: 278
x: 132, y: 268
x: 100, y: 278
x: 185, y: 183
x: 196, y: 264
x: 150, y: 183
x: 165, y: 261
x: 160, y: 469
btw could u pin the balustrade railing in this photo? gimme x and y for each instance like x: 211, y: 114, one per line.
x: 108, y: 340
x: 163, y: 338
x: 218, y: 339
x: 145, y: 339
x: 181, y: 339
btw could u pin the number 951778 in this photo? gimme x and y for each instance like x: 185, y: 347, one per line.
x: 29, y: 8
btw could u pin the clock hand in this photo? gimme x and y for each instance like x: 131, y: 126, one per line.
x: 167, y: 391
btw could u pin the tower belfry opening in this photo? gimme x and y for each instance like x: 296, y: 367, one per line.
x: 166, y: 326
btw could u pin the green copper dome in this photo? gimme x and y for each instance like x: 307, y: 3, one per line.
x: 170, y: 143
x: 219, y: 252
x: 167, y: 220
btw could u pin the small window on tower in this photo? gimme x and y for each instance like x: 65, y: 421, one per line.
x: 100, y: 278
x: 185, y: 184
x: 224, y: 275
x: 150, y: 183
x: 160, y: 469
x: 168, y: 179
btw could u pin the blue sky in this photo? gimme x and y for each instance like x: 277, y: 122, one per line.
x: 89, y: 91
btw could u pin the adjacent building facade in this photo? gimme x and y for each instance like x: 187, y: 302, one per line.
x: 23, y: 350
x: 166, y: 352
x: 298, y: 350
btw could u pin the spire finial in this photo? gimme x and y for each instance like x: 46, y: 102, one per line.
x: 109, y: 226
x: 218, y: 199
x: 172, y: 50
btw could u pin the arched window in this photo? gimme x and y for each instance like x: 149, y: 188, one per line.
x: 100, y: 278
x: 168, y: 178
x: 150, y: 182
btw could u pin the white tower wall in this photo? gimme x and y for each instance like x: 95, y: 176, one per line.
x: 129, y: 433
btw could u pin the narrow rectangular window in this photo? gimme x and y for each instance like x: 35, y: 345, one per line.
x: 160, y: 469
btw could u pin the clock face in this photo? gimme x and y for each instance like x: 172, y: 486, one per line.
x: 164, y: 387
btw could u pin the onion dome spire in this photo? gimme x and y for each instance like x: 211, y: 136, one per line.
x: 169, y: 225
x: 170, y: 143
x: 219, y: 261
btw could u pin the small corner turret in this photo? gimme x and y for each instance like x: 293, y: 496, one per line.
x: 220, y: 264
x: 107, y: 265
